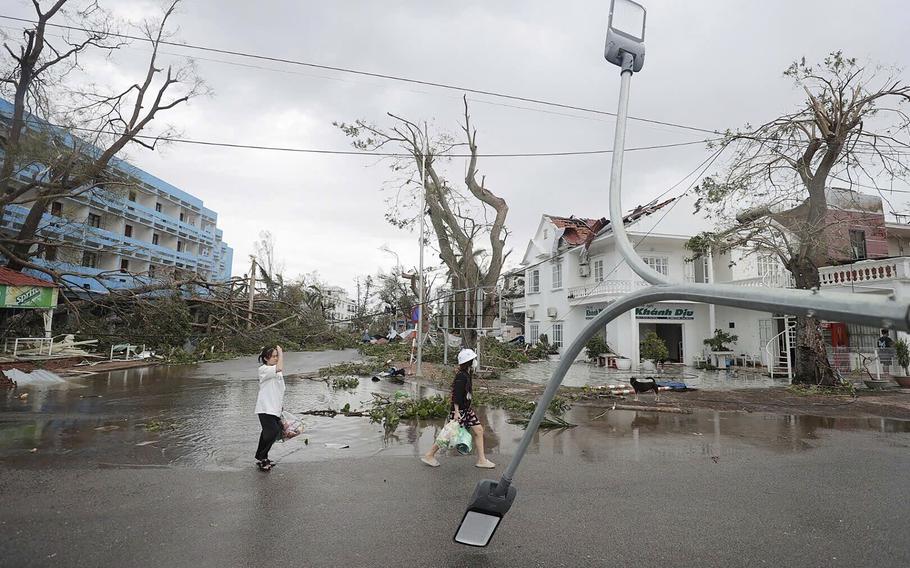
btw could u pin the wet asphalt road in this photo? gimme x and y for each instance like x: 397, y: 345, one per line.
x: 86, y: 480
x: 842, y: 502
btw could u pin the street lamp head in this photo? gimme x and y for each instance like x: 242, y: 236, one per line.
x: 626, y: 35
x: 489, y: 504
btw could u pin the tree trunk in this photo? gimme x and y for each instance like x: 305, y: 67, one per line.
x: 812, y: 366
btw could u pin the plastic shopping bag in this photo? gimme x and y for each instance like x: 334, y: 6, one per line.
x: 464, y: 442
x: 291, y: 426
x: 447, y: 435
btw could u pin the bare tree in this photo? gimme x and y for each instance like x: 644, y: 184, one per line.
x: 469, y: 226
x: 270, y: 268
x: 61, y: 139
x: 852, y: 131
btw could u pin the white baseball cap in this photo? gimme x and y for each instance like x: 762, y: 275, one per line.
x: 466, y: 355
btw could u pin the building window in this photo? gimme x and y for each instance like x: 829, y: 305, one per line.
x: 546, y: 234
x: 557, y: 335
x: 179, y: 246
x: 182, y: 217
x: 94, y: 220
x: 158, y: 207
x: 858, y: 244
x: 557, y: 274
x: 128, y: 230
x: 154, y: 238
x: 57, y: 209
x: 533, y: 332
x: 768, y: 265
x: 599, y: 270
x: 151, y: 270
x: 50, y: 253
x: 132, y: 196
x: 660, y: 264
x: 89, y: 259
x: 124, y: 265
x: 863, y: 338
x: 534, y: 282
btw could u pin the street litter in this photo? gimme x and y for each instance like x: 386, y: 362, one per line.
x: 39, y: 377
x: 146, y: 443
x: 291, y: 426
x: 333, y: 446
x: 107, y: 428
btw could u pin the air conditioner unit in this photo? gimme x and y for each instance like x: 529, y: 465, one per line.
x: 530, y: 314
x: 551, y: 312
x: 584, y: 270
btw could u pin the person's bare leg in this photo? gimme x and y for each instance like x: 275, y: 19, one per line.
x: 429, y: 458
x: 482, y: 461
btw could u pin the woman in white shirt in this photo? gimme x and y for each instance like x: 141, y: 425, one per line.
x: 269, y: 403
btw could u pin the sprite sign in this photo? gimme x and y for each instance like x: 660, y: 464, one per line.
x: 39, y: 297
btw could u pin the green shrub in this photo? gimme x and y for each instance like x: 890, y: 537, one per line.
x: 654, y: 348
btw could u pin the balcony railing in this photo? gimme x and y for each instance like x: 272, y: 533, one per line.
x: 770, y: 280
x: 866, y: 272
x: 604, y: 289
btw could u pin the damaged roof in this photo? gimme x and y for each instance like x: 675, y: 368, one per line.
x: 577, y: 230
x: 581, y: 231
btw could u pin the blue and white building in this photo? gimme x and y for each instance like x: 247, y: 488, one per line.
x: 141, y: 230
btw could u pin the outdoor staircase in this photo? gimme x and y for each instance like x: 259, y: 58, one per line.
x: 778, y: 350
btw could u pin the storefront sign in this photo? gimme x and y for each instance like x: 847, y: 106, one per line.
x: 591, y: 313
x: 664, y: 313
x: 28, y: 297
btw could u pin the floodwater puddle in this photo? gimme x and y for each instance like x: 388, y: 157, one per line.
x: 202, y: 417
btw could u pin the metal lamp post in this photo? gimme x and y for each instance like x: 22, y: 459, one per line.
x: 492, y: 499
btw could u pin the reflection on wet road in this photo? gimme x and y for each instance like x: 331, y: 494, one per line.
x: 201, y: 416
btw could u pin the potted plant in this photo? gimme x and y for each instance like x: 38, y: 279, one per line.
x: 720, y: 340
x: 718, y: 343
x: 902, y: 354
x: 596, y: 346
x: 653, y: 350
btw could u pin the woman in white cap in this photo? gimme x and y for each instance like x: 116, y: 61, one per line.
x: 462, y: 412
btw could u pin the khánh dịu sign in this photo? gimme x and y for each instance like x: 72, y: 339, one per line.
x: 28, y: 297
x: 664, y: 313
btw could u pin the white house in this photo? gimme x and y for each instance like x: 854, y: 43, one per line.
x: 572, y: 271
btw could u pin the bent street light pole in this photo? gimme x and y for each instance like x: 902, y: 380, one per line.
x: 491, y: 499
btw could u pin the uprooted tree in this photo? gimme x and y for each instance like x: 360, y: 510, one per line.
x: 852, y: 131
x: 469, y: 226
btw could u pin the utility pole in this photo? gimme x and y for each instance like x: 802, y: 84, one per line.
x: 421, y: 294
x: 252, y: 292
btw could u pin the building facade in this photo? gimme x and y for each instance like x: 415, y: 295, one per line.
x: 142, y: 230
x: 573, y: 271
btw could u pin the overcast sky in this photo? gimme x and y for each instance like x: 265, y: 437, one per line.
x: 710, y: 63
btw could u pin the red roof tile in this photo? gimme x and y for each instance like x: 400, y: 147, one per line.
x: 581, y: 231
x: 14, y: 278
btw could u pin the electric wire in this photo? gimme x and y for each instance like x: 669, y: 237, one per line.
x: 360, y: 72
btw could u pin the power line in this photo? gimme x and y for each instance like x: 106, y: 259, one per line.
x: 371, y: 74
x: 365, y: 153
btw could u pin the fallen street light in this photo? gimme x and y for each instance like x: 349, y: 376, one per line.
x: 492, y: 500
x: 489, y: 504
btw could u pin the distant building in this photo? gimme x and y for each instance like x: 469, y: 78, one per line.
x: 340, y: 308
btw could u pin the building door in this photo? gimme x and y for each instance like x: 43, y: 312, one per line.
x: 671, y: 333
